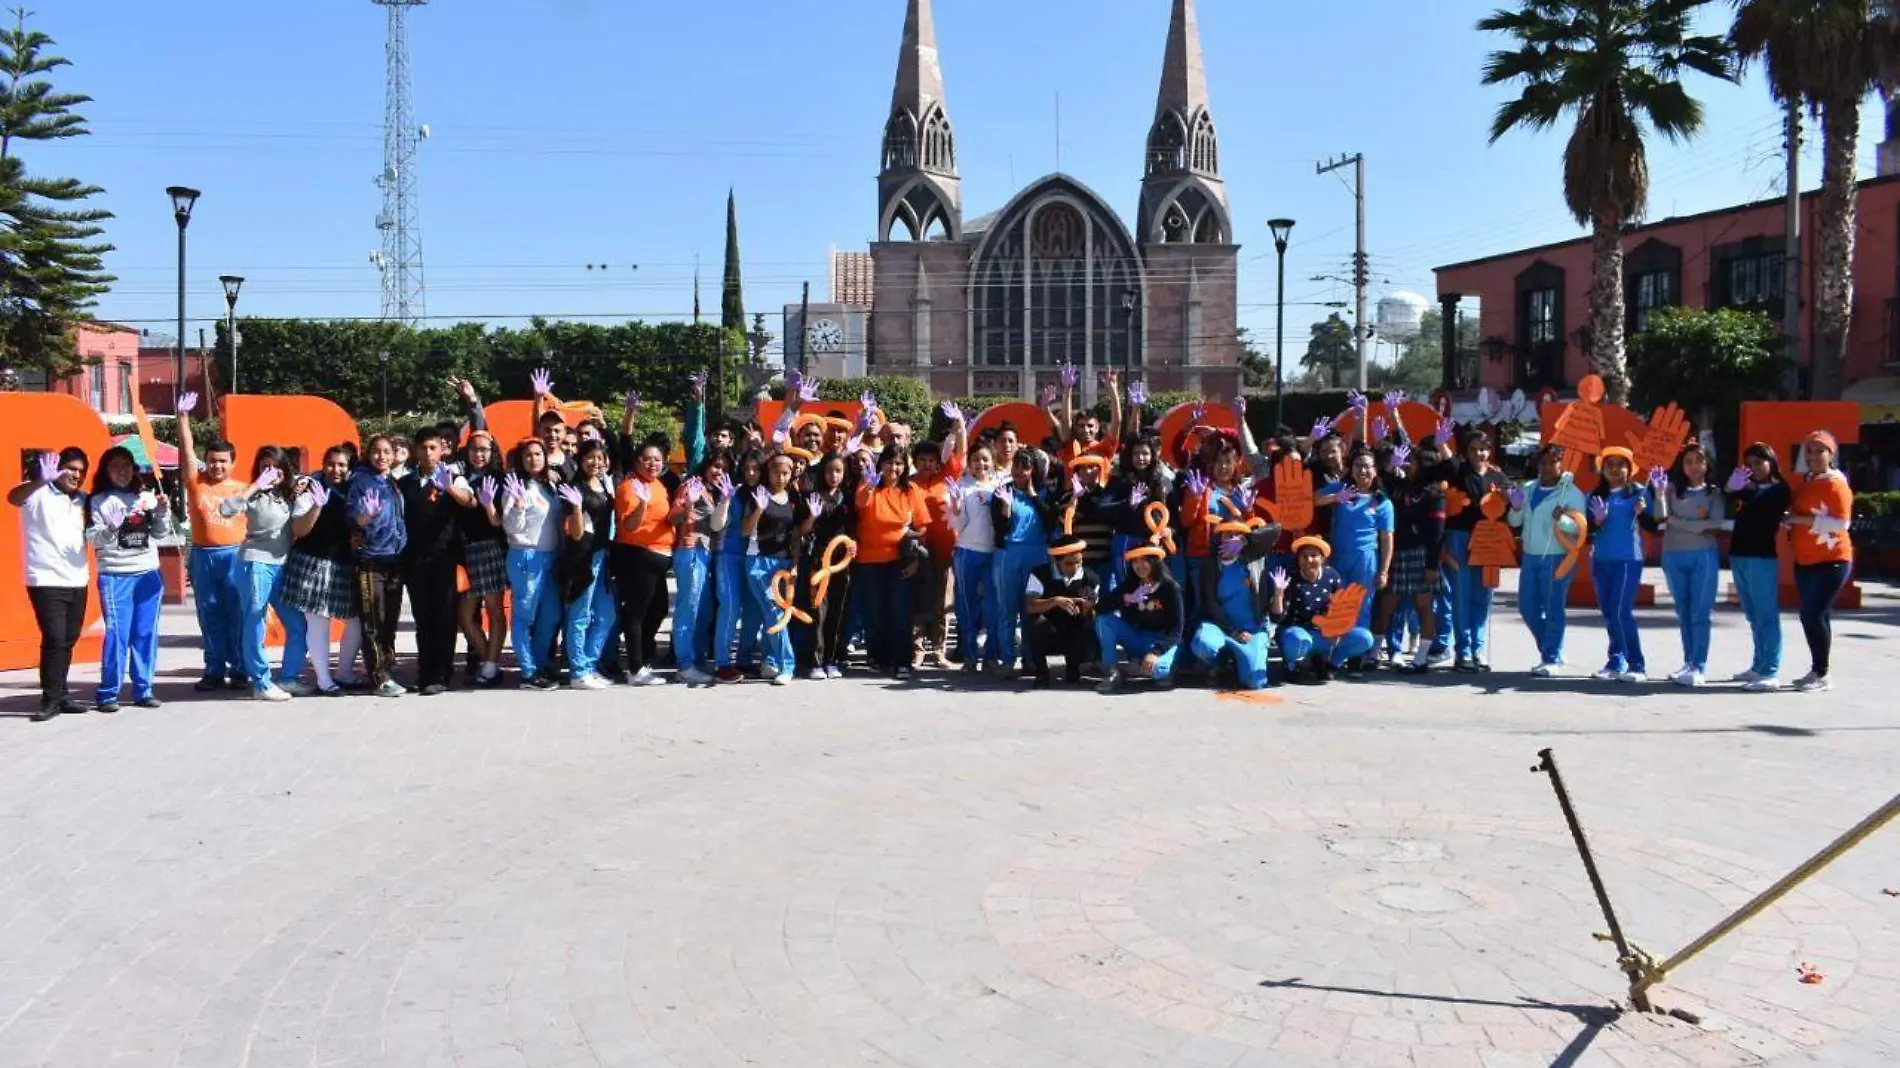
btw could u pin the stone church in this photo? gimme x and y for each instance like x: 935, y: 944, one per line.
x: 993, y: 305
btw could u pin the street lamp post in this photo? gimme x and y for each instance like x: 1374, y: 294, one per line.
x: 231, y: 283
x: 383, y: 356
x: 1130, y: 300
x: 183, y: 199
x: 1282, y: 229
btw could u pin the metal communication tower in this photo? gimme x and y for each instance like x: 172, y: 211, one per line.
x: 400, y: 259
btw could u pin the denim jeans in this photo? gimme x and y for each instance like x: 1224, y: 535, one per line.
x: 1758, y: 587
x: 1692, y: 578
x: 1540, y: 600
x: 1297, y: 643
x: 537, y: 604
x: 588, y: 621
x: 261, y: 591
x: 1470, y: 599
x: 692, y: 575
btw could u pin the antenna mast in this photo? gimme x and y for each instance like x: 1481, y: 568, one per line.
x: 400, y: 259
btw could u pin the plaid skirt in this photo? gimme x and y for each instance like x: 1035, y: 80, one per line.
x: 1408, y: 572
x: 318, y: 586
x: 487, y: 565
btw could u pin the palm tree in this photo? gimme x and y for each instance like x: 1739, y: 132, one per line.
x: 1615, y: 64
x: 1827, y: 55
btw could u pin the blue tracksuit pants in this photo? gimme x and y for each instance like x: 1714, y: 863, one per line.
x: 217, y: 594
x: 1013, y: 565
x: 1250, y: 657
x: 1470, y: 600
x: 537, y: 608
x: 1118, y: 636
x: 777, y: 648
x: 129, y: 604
x: 1297, y: 643
x: 975, y: 578
x: 1617, y: 583
x: 588, y: 621
x: 1540, y: 600
x: 740, y: 618
x: 1692, y: 578
x: 692, y: 576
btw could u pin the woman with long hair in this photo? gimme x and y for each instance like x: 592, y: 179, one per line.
x: 267, y: 505
x: 739, y: 622
x: 129, y: 519
x: 483, y: 611
x: 320, y: 575
x: 53, y: 525
x: 1476, y: 478
x: 1143, y: 620
x: 587, y: 594
x: 1691, y: 560
x: 646, y: 528
x: 1547, y: 511
x: 891, y: 516
x: 531, y: 518
x: 831, y: 511
x: 1818, y: 520
x: 1620, y: 511
x: 770, y: 529
x: 1023, y: 512
x: 1761, y: 498
x: 381, y: 536
x: 1418, y: 520
x: 703, y: 524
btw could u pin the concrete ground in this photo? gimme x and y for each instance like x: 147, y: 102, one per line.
x: 936, y: 875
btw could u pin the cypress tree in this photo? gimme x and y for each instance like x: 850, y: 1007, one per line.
x: 51, y: 266
x: 732, y: 298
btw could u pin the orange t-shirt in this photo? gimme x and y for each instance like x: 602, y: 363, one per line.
x: 883, y: 516
x: 208, y: 528
x: 655, y: 530
x: 938, y: 534
x: 1812, y: 546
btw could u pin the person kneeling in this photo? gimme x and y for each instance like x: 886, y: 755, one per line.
x: 1146, y: 621
x: 1233, y: 624
x: 1303, y: 605
x: 1060, y: 601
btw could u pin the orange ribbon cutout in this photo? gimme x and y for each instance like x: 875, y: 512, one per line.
x: 783, y: 585
x: 838, y: 556
x: 1572, y: 543
x: 1155, y: 514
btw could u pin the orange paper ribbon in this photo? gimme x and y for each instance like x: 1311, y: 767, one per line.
x: 838, y: 556
x: 1572, y: 543
x: 1155, y: 514
x: 783, y: 585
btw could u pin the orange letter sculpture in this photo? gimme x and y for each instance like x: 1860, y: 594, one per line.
x: 36, y: 422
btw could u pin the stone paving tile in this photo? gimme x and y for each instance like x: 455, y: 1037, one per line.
x: 859, y: 873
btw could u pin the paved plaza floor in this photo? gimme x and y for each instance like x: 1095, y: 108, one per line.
x: 929, y: 875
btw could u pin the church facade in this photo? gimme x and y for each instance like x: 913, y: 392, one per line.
x: 993, y: 306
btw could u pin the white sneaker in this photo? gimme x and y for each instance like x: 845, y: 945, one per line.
x: 817, y: 674
x: 833, y: 671
x: 589, y: 681
x: 782, y: 680
x: 646, y: 677
x: 269, y: 693
x: 1812, y: 683
x: 1541, y: 671
x: 1606, y: 674
x: 1692, y: 679
x: 695, y: 677
x: 490, y: 671
x: 1632, y: 676
x: 392, y: 688
x: 1745, y: 676
x: 767, y: 672
x: 1680, y: 673
x: 1435, y: 659
x: 1766, y: 684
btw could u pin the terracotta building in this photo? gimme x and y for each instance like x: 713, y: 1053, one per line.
x: 993, y: 305
x: 111, y: 376
x: 1534, y: 304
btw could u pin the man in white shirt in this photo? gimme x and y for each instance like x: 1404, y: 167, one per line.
x: 53, y: 520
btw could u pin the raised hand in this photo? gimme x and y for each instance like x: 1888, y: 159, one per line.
x: 1005, y: 495
x: 49, y: 466
x: 1048, y: 396
x: 1243, y: 500
x: 1199, y: 412
x: 1075, y: 485
x: 867, y: 418
x: 1658, y: 479
x: 815, y: 503
x: 1518, y: 498
x: 1357, y: 401
x: 372, y: 504
x: 1141, y: 593
x: 1195, y: 483
x: 1070, y: 376
x: 724, y: 485
x: 631, y: 402
x: 952, y: 412
x: 112, y: 513
x: 808, y: 390
x: 1400, y: 454
x: 761, y: 497
x: 1280, y: 579
x: 868, y: 401
x: 571, y: 494
x: 854, y: 444
x: 695, y: 488
x: 783, y: 428
x: 697, y: 380
x: 267, y: 479
x: 1393, y: 400
x: 1240, y: 405
x: 872, y: 478
x: 1321, y: 427
x: 542, y: 381
x: 1446, y: 428
x: 955, y: 492
x: 1738, y: 480
x: 1137, y: 393
x: 318, y: 493
x: 793, y: 383
x: 514, y: 491
x: 642, y: 492
x: 1378, y: 428
x: 1599, y: 508
x: 465, y: 390
x: 186, y: 403
x: 443, y: 477
x: 1138, y: 494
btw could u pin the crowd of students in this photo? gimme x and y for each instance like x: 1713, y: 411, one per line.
x: 788, y: 547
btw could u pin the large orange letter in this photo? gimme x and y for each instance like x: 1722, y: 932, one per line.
x: 37, y: 421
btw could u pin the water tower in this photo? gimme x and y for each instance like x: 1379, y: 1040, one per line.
x: 1399, y: 316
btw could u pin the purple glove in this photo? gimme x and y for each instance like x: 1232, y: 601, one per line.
x: 1658, y: 479
x: 1599, y: 510
x: 1738, y: 481
x: 808, y: 390
x: 318, y: 493
x: 1321, y: 427
x: 514, y: 491
x: 793, y: 383
x: 642, y: 492
x: 761, y: 497
x: 1232, y: 544
x: 1141, y: 593
x: 1347, y: 495
x: 571, y: 494
x: 112, y: 513
x: 1195, y: 482
x: 1005, y: 495
x: 1138, y: 494
x: 698, y: 382
x: 187, y: 402
x: 724, y: 485
x: 1070, y: 376
x: 487, y: 492
x: 1518, y: 498
x: 1446, y: 428
x: 632, y: 400
x: 372, y: 504
x: 1137, y: 394
x: 1280, y: 579
x: 868, y: 401
x: 1393, y: 400
x: 443, y: 477
x: 695, y: 489
x: 1400, y: 454
x: 952, y: 412
x: 1243, y: 500
x: 1357, y: 401
x: 1240, y: 405
x: 815, y: 504
x: 1075, y: 485
x: 867, y: 418
x: 872, y: 478
x: 542, y: 380
x: 49, y: 466
x: 1378, y: 428
x: 853, y: 443
x: 1199, y: 411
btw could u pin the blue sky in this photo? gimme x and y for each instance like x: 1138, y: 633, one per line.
x: 570, y: 132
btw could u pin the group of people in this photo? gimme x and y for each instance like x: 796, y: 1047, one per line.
x: 781, y: 550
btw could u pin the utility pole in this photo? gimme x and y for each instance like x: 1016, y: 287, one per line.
x: 804, y: 329
x: 1791, y: 256
x: 1360, y: 274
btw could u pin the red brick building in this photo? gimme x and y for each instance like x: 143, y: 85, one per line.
x: 1534, y: 304
x: 109, y: 383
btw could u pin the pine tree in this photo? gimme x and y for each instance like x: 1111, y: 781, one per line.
x: 732, y: 299
x: 51, y: 270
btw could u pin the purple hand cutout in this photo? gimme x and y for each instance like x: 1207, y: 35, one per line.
x: 487, y: 492
x: 1378, y: 428
x: 571, y: 494
x: 1357, y: 400
x: 815, y: 504
x: 761, y: 497
x: 868, y: 401
x: 632, y: 400
x: 1137, y: 394
x: 187, y: 402
x: 1658, y: 479
x: 1347, y: 495
x: 724, y: 485
x: 542, y: 380
x: 1138, y: 493
x: 1321, y: 427
x: 1280, y: 579
x: 1243, y: 500
x: 318, y: 493
x: 1599, y: 509
x: 1075, y: 485
x: 1048, y: 396
x: 1142, y: 593
x: 1738, y: 480
x: 872, y: 478
x: 1393, y: 400
x: 952, y: 412
x: 697, y: 380
x: 1005, y: 495
x: 1195, y: 483
x: 1070, y: 376
x: 808, y: 390
x: 695, y: 488
x: 112, y: 513
x: 1446, y: 428
x: 443, y: 477
x: 514, y: 491
x: 1518, y: 498
x: 1400, y: 454
x: 1232, y: 544
x: 268, y: 479
x: 49, y: 466
x: 1199, y: 411
x: 372, y: 504
x: 783, y: 428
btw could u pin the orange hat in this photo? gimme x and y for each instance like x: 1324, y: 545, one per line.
x: 1616, y: 452
x: 1313, y: 541
x: 797, y: 453
x: 1140, y: 551
x: 1234, y: 527
x: 1827, y: 441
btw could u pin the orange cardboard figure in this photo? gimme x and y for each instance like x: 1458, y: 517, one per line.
x: 1292, y: 503
x: 1580, y: 428
x: 1662, y: 441
x: 1342, y: 615
x: 1491, y: 545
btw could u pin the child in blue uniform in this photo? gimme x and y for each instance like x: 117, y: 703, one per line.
x: 1300, y: 601
x: 1231, y: 618
x: 1620, y: 511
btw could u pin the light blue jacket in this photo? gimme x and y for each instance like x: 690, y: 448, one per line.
x: 1539, y: 521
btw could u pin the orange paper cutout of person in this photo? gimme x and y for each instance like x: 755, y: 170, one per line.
x: 1580, y: 428
x: 1492, y: 546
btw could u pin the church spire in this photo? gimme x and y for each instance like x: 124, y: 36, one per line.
x: 1183, y: 200
x: 918, y: 187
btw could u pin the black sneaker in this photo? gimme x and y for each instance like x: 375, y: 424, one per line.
x: 72, y: 707
x: 237, y: 682
x: 1073, y: 675
x: 48, y: 709
x: 903, y: 672
x: 1324, y: 670
x: 148, y: 701
x: 434, y: 689
x: 539, y: 682
x: 1043, y: 680
x: 208, y: 684
x: 106, y: 707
